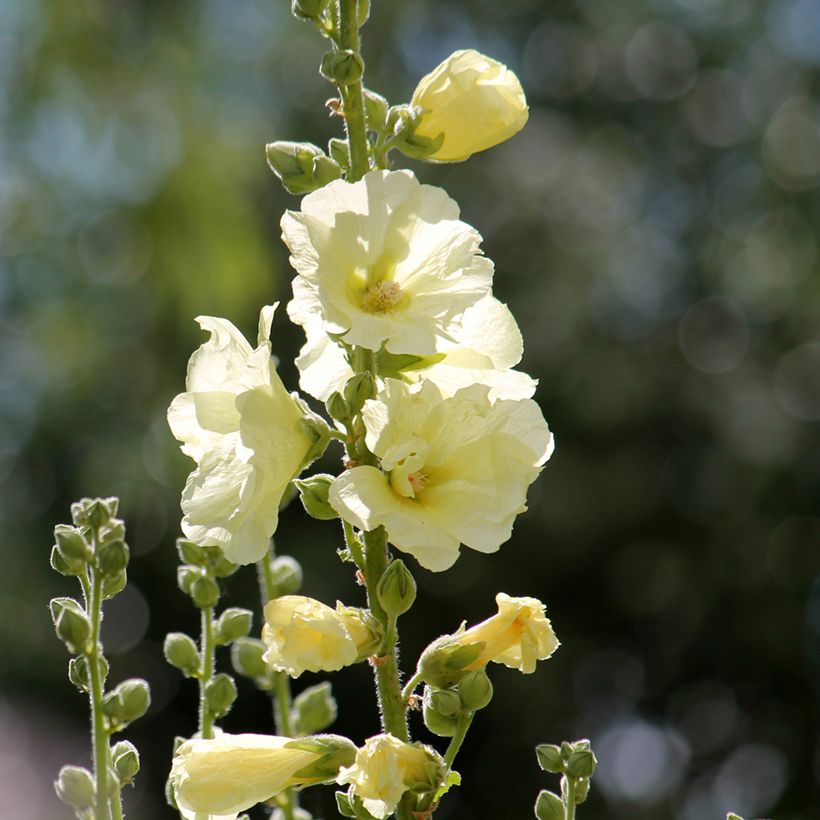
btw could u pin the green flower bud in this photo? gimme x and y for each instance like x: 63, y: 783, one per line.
x: 186, y: 575
x: 113, y: 557
x: 362, y: 12
x: 316, y: 428
x: 126, y: 761
x: 217, y: 564
x: 191, y: 553
x: 70, y: 623
x: 204, y: 591
x: 339, y: 151
x: 475, y: 690
x: 581, y: 761
x: 549, y: 806
x: 66, y: 566
x: 71, y: 543
x: 314, y: 709
x: 375, y: 110
x: 358, y: 390
x: 246, y: 657
x: 232, y: 624
x: 287, y: 575
x: 113, y: 584
x: 337, y: 407
x: 396, y: 589
x: 336, y: 751
x: 181, y: 652
x: 220, y: 693
x: 444, y: 663
x: 441, y: 709
x: 127, y: 702
x: 100, y: 510
x: 343, y: 67
x: 308, y: 9
x: 550, y: 758
x: 75, y: 787
x: 114, y: 530
x: 313, y: 493
x: 79, y: 671
x: 301, y: 166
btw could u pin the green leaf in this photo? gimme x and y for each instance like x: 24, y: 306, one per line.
x: 453, y: 779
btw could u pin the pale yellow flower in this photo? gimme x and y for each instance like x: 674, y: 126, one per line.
x: 386, y: 768
x: 475, y: 101
x: 454, y: 470
x: 302, y: 634
x: 485, y: 347
x: 384, y: 260
x: 246, y: 433
x: 227, y: 774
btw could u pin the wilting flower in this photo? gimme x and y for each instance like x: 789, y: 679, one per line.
x: 518, y: 636
x: 248, y: 436
x: 384, y: 260
x: 456, y: 470
x: 386, y: 768
x: 227, y: 774
x: 473, y: 100
x: 302, y: 634
x: 486, y: 345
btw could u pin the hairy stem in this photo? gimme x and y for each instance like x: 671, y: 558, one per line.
x: 458, y: 738
x: 208, y: 652
x: 352, y: 95
x: 571, y: 798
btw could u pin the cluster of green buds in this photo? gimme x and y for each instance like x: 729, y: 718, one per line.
x: 445, y: 709
x: 576, y: 763
x: 94, y: 551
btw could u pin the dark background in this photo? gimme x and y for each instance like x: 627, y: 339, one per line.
x: 654, y: 232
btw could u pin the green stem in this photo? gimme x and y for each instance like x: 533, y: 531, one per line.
x: 411, y: 686
x: 352, y: 95
x: 99, y: 732
x: 458, y: 738
x: 116, y: 804
x: 570, y: 798
x: 353, y: 544
x: 208, y: 651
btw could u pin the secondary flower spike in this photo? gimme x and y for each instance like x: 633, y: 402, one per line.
x: 248, y: 436
x: 475, y: 101
x: 455, y: 470
x: 384, y: 261
x: 227, y: 774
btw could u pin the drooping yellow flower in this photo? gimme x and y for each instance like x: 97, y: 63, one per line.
x: 248, y: 436
x: 454, y: 470
x: 518, y: 636
x: 230, y: 773
x: 384, y: 260
x: 475, y: 101
x: 302, y: 634
x: 386, y: 768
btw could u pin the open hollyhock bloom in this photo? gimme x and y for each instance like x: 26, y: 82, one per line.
x: 475, y: 101
x: 455, y: 470
x: 227, y: 774
x: 486, y: 344
x: 302, y: 634
x: 384, y: 260
x: 386, y: 768
x: 248, y: 436
x: 518, y: 636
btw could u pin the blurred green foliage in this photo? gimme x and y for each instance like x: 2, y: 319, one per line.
x: 654, y: 229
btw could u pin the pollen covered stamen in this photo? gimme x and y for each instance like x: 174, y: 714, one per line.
x: 418, y: 481
x: 382, y: 297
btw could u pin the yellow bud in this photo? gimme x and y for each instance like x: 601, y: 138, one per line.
x: 473, y: 100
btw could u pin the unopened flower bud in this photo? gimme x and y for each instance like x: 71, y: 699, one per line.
x: 66, y: 566
x: 233, y: 623
x: 218, y: 565
x: 287, y: 574
x: 126, y: 761
x: 99, y: 511
x: 70, y: 623
x: 333, y: 752
x: 71, y: 543
x: 301, y: 166
x: 550, y: 758
x: 220, y: 693
x: 581, y: 761
x: 549, y: 806
x: 186, y: 575
x: 181, y: 652
x: 343, y: 67
x: 127, y: 702
x: 112, y: 557
x: 396, y: 589
x: 339, y: 151
x: 475, y: 689
x: 313, y: 493
x: 375, y: 110
x: 191, y: 553
x: 308, y: 9
x: 338, y: 407
x: 316, y: 428
x: 246, y: 657
x: 75, y: 786
x: 441, y: 709
x: 204, y: 591
x: 358, y: 390
x: 113, y: 584
x: 314, y: 709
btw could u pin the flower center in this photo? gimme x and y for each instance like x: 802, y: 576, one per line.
x: 382, y: 296
x: 418, y: 481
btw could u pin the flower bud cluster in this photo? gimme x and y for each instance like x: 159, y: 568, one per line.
x: 576, y: 763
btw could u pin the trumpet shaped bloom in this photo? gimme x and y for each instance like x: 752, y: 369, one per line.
x: 486, y: 344
x: 248, y: 436
x: 386, y: 768
x: 473, y: 100
x: 222, y: 776
x: 454, y: 470
x: 302, y: 634
x: 518, y: 636
x: 384, y: 260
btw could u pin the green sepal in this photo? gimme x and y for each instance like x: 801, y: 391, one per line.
x: 550, y: 758
x: 343, y: 805
x: 418, y: 147
x: 549, y: 806
x: 339, y: 151
x: 313, y: 493
x: 78, y: 671
x: 232, y: 624
x: 452, y: 779
x: 66, y: 566
x: 375, y: 110
x: 220, y: 694
x: 394, y: 365
x: 114, y: 584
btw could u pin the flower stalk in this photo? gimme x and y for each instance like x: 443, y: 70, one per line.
x: 352, y: 94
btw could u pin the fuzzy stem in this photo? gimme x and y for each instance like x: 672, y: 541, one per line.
x: 458, y: 738
x: 571, y: 798
x: 352, y: 95
x: 411, y: 687
x: 208, y: 651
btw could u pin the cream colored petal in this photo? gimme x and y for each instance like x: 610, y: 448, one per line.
x: 218, y: 364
